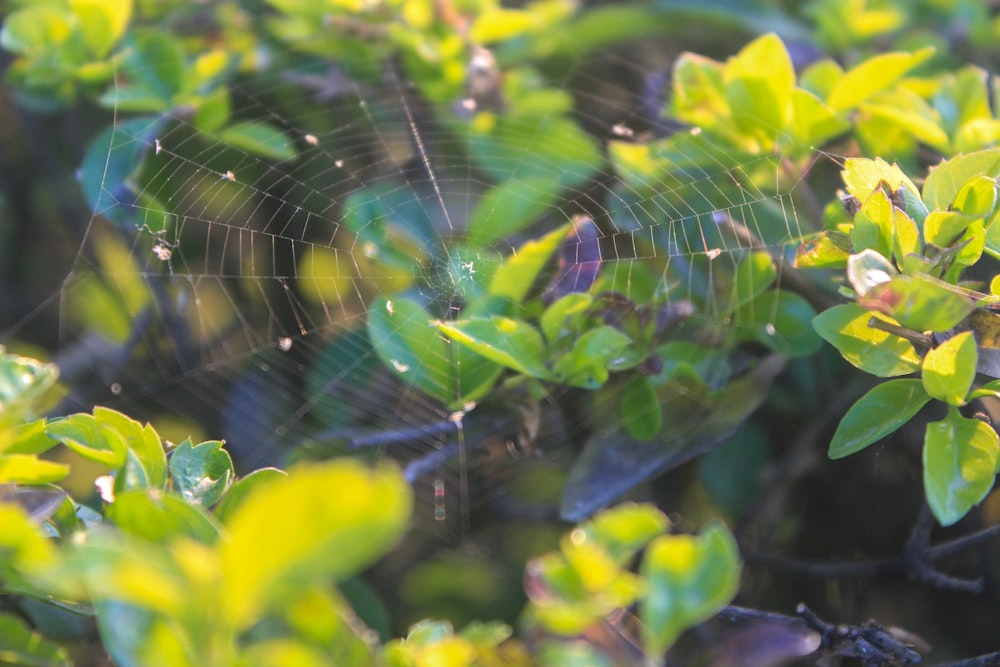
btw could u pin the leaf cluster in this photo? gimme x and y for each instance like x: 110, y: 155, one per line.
x: 184, y: 564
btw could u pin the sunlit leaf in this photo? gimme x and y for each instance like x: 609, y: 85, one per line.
x: 946, y: 180
x: 102, y: 22
x: 325, y: 521
x: 93, y: 440
x: 874, y: 351
x: 919, y: 303
x: 511, y: 343
x: 863, y: 176
x: 29, y: 469
x: 517, y: 274
x: 145, y: 447
x: 690, y: 579
x: 625, y: 529
x: 949, y: 369
x: 960, y: 459
x: 35, y: 28
x: 877, y: 414
x: 874, y: 227
x: 978, y: 197
x: 825, y: 250
x: 815, y: 123
x: 758, y: 82
x: 872, y: 76
x: 945, y: 228
x: 242, y: 488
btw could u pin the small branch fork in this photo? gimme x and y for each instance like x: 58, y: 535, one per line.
x: 868, y: 642
x: 916, y: 560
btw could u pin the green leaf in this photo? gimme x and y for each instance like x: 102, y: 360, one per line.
x: 93, y: 440
x: 23, y: 381
x: 29, y: 469
x: 978, y: 197
x: 161, y: 517
x: 260, y: 138
x: 30, y: 438
x: 825, y: 250
x: 562, y: 317
x: 960, y: 460
x: 147, y: 464
x: 877, y: 414
x: 400, y: 332
x: 814, y: 123
x: 690, y: 579
x: 510, y: 207
x: 25, y: 549
x: 636, y: 164
x: 945, y: 228
x: 873, y: 76
x: 946, y: 180
x: 588, y: 361
x: 872, y: 350
x: 201, y: 473
x: 35, y: 29
x: 699, y: 96
x: 323, y: 522
x: 498, y: 24
x: 474, y: 374
x: 919, y: 302
x: 907, y: 112
x: 949, y: 369
x: 155, y: 60
x: 102, y: 22
x: 213, y: 112
x: 640, y: 409
x: 758, y: 82
x: 508, y: 342
x: 242, y: 488
x: 863, y: 176
x: 517, y: 274
x: 19, y: 645
x: 873, y: 226
x: 625, y: 529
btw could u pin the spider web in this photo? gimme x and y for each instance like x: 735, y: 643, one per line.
x: 234, y: 288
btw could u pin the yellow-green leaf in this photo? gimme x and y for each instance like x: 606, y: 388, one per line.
x: 323, y: 522
x: 872, y: 76
x: 949, y: 369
